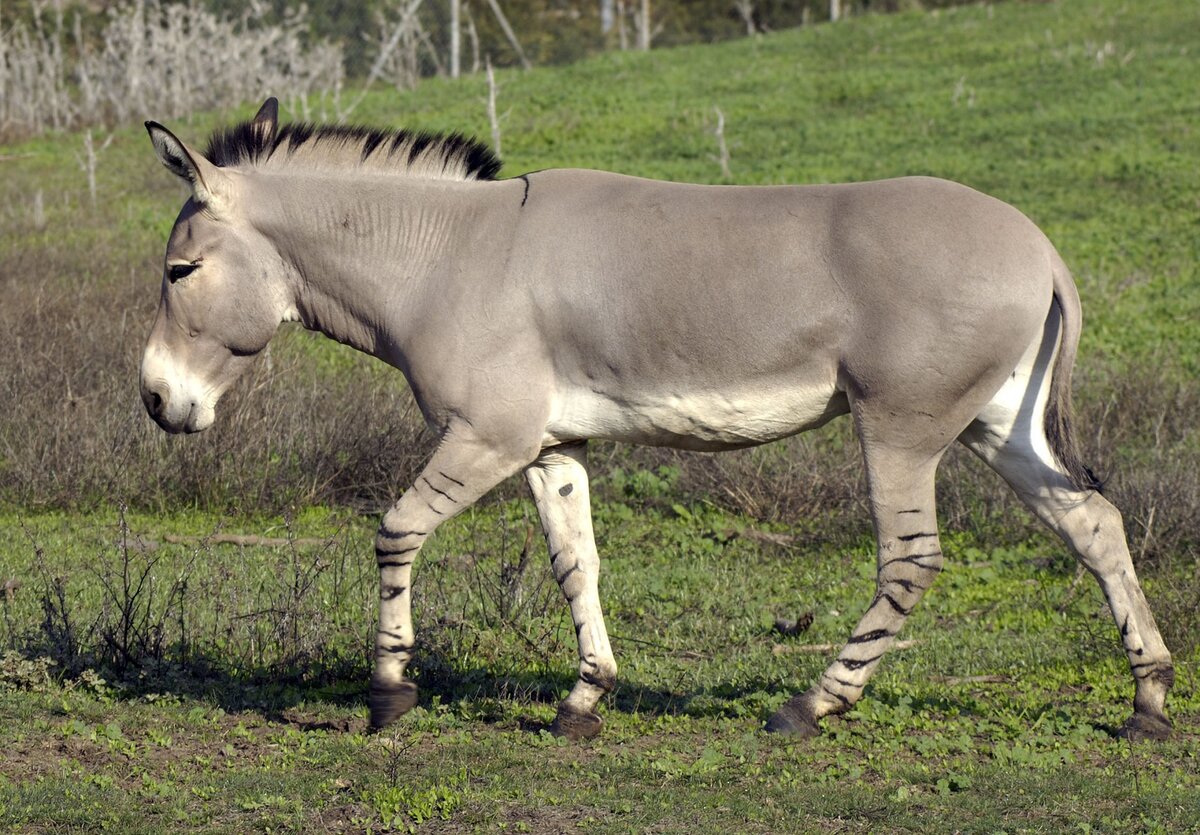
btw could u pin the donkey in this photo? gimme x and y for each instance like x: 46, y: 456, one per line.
x: 532, y: 314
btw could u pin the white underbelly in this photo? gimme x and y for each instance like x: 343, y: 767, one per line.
x: 693, y: 420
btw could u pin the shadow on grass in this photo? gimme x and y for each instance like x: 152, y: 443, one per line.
x: 483, y: 693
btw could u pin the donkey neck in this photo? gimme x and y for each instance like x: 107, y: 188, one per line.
x: 364, y: 252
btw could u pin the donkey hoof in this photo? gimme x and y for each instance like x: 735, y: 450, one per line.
x: 793, y: 720
x: 575, y: 724
x: 1142, y: 726
x: 388, y: 702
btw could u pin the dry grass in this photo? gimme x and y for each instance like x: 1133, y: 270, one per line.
x: 75, y: 432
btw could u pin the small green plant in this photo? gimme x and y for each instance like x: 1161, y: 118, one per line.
x: 404, y: 808
x: 20, y: 673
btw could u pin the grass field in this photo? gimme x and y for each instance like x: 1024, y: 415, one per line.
x: 159, y: 679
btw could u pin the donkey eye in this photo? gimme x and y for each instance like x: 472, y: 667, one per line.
x: 178, y: 271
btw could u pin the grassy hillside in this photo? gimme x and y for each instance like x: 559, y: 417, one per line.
x: 1082, y: 114
x: 227, y: 683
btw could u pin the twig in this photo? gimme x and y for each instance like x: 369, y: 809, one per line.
x: 455, y: 38
x: 491, y: 108
x: 88, y: 161
x: 1146, y: 536
x: 1074, y: 587
x: 683, y: 653
x: 384, y: 54
x: 722, y: 148
x: 756, y: 535
x: 508, y: 32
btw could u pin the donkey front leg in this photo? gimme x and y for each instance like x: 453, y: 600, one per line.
x: 463, y: 468
x: 559, y: 482
x: 909, y: 559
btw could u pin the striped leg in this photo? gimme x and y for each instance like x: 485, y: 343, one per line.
x: 909, y: 559
x: 1093, y: 529
x: 460, y: 471
x: 559, y: 482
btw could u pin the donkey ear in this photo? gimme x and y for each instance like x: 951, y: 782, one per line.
x: 210, y: 185
x: 267, y: 118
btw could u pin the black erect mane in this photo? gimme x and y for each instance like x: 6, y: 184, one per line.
x: 302, y: 144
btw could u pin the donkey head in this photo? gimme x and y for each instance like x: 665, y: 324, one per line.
x: 223, y: 289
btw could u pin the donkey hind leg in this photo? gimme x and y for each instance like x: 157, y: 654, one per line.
x: 909, y: 559
x: 559, y: 482
x: 1010, y: 436
x: 461, y: 470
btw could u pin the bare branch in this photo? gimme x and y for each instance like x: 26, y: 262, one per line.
x: 508, y: 32
x: 491, y: 109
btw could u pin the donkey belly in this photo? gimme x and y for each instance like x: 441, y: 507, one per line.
x: 700, y: 420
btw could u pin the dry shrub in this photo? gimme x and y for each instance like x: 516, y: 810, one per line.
x: 157, y: 57
x: 148, y: 618
x: 75, y: 433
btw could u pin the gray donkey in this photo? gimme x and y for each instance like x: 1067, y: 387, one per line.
x: 532, y: 314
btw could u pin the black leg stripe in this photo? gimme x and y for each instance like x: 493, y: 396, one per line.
x: 397, y: 648
x: 857, y: 663
x: 431, y: 507
x: 914, y: 559
x: 388, y: 533
x: 900, y: 610
x: 838, y: 696
x: 910, y: 537
x: 873, y: 635
x: 568, y: 573
x: 391, y: 634
x: 845, y: 683
x: 448, y: 497
x: 394, y: 563
x: 908, y: 585
x: 603, y: 682
x: 383, y: 552
x: 391, y: 592
x: 448, y: 478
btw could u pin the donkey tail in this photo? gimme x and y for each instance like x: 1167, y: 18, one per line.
x: 1060, y: 434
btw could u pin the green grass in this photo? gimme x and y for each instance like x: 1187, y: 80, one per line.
x: 1000, y: 718
x: 1082, y: 113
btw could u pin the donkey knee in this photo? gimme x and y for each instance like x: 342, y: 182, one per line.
x: 396, y: 536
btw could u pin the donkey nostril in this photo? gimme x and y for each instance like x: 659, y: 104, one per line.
x: 155, y: 402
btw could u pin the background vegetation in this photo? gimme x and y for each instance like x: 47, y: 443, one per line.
x: 161, y: 678
x: 71, y: 63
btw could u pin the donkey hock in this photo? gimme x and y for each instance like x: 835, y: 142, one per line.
x: 533, y: 314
